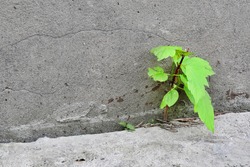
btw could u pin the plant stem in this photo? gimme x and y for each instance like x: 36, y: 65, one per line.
x: 165, y: 114
x: 173, y: 75
x: 179, y: 87
x: 174, y: 80
x: 176, y: 72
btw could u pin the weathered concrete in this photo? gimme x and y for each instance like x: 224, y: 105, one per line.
x: 73, y: 67
x: 149, y: 147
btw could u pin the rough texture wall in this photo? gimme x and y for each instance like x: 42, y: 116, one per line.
x: 72, y: 67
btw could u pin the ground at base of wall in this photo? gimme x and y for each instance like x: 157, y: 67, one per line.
x: 192, y: 146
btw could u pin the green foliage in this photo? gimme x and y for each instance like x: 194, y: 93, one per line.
x: 158, y: 74
x: 205, y: 111
x: 163, y: 52
x: 196, y: 70
x: 127, y: 126
x: 192, y: 72
x: 170, y: 98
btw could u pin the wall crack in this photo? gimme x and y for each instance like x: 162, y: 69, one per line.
x: 26, y: 90
x: 89, y: 30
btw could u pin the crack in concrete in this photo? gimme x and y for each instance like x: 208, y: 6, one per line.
x: 74, y: 33
x: 13, y: 90
x: 33, y: 92
x: 90, y: 30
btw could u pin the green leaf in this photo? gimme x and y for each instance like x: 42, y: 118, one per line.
x: 187, y: 91
x: 170, y: 98
x: 130, y: 127
x: 205, y: 111
x: 163, y: 52
x: 123, y: 124
x: 195, y: 62
x: 183, y: 79
x: 158, y: 74
x: 196, y: 70
x: 189, y: 95
x: 196, y: 89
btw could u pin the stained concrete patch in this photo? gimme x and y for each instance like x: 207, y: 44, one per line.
x: 195, y: 146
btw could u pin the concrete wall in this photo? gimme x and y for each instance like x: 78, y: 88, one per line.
x: 73, y: 67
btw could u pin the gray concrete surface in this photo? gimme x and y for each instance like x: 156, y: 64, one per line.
x: 194, y: 146
x: 73, y: 67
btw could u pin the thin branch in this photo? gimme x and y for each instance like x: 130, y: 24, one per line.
x: 176, y: 72
x: 174, y: 80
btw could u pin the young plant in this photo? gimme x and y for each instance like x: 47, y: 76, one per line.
x: 189, y: 75
x: 127, y: 126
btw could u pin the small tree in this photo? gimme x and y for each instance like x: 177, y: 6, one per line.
x: 190, y: 75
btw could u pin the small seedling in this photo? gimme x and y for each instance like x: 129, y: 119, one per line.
x: 127, y: 126
x: 189, y: 75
